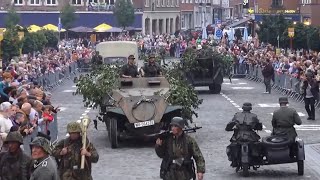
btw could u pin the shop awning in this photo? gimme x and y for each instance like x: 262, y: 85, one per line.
x: 103, y: 27
x: 82, y: 29
x: 34, y: 28
x: 52, y: 27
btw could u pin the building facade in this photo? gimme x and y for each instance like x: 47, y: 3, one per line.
x: 187, y: 15
x: 161, y: 16
x: 90, y: 12
x: 310, y: 11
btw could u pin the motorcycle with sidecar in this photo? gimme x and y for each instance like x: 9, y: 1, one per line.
x: 271, y: 150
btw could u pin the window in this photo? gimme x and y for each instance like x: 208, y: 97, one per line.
x: 277, y: 3
x: 18, y: 2
x: 158, y: 3
x: 51, y: 2
x: 76, y: 2
x: 163, y: 3
x: 306, y: 2
x: 93, y: 1
x: 34, y: 2
x: 182, y: 1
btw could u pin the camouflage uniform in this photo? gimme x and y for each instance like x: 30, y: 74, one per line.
x: 44, y: 168
x: 14, y: 166
x: 69, y: 164
x: 182, y: 148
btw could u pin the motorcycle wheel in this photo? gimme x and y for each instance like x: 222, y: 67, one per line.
x: 245, y: 169
x: 300, y: 167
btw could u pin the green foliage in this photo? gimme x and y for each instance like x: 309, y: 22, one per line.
x: 306, y: 37
x: 11, y: 44
x: 124, y: 12
x: 68, y: 16
x: 96, y: 85
x: 51, y: 37
x: 12, y: 19
x: 34, y: 42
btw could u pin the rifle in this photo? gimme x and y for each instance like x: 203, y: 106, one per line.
x: 163, y: 134
x: 84, y: 127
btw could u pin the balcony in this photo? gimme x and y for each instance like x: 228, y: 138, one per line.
x: 105, y: 7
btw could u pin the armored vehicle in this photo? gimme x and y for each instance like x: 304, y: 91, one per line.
x: 138, y: 109
x: 209, y: 74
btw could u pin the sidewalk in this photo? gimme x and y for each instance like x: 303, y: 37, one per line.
x: 312, y: 152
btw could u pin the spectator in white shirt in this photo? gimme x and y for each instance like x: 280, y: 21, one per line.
x: 5, y: 122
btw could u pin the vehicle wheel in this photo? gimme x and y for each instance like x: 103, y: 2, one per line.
x: 276, y: 141
x: 300, y: 167
x: 113, y: 133
x: 245, y: 169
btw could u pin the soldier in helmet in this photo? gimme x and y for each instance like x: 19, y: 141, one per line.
x: 178, y: 151
x: 14, y: 164
x: 44, y: 166
x: 284, y: 119
x: 243, y: 124
x: 69, y: 152
x: 152, y: 68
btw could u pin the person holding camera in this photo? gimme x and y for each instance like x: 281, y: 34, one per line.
x: 310, y: 91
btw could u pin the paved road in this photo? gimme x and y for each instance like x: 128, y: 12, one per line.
x: 135, y: 161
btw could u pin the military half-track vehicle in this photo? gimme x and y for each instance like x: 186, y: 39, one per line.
x: 138, y: 109
x: 209, y: 74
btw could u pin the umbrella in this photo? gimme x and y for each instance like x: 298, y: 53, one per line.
x: 52, y: 27
x: 114, y: 29
x: 204, y: 33
x: 82, y: 29
x: 103, y: 27
x: 34, y: 28
x: 245, y: 34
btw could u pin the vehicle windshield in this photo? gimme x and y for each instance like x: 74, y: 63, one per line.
x: 115, y: 60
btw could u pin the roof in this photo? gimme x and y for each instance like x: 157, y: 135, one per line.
x: 86, y: 19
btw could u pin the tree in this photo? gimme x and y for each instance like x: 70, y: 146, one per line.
x: 12, y: 19
x: 11, y: 45
x: 68, y: 16
x: 124, y: 12
x: 52, y: 39
x: 34, y: 42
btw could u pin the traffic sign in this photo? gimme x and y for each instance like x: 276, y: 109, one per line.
x: 291, y: 32
x: 245, y: 4
x: 218, y: 33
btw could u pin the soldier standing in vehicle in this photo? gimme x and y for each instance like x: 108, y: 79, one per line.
x: 69, y: 152
x: 152, y: 68
x: 245, y: 123
x: 129, y: 70
x: 178, y: 151
x: 44, y: 166
x: 284, y: 119
x: 14, y: 164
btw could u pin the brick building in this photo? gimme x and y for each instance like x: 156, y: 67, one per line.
x: 90, y: 12
x: 306, y: 11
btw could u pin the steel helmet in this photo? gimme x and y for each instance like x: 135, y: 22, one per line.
x: 14, y: 136
x: 178, y: 121
x: 74, y: 127
x: 43, y: 143
x: 247, y: 106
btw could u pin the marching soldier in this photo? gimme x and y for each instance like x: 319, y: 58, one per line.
x: 44, y: 166
x: 69, y: 152
x: 178, y: 151
x: 14, y: 164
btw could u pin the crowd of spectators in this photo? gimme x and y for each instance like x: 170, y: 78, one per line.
x: 24, y: 104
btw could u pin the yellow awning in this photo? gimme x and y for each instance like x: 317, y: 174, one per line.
x: 34, y: 28
x: 103, y: 27
x: 3, y: 29
x: 52, y: 27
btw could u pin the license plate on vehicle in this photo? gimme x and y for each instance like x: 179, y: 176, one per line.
x: 144, y: 124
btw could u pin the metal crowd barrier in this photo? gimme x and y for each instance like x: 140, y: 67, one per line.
x: 283, y: 83
x: 51, y: 80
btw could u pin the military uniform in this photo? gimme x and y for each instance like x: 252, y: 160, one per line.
x: 69, y: 164
x: 284, y: 119
x: 178, y: 154
x: 14, y: 166
x: 44, y: 168
x: 152, y: 70
x: 129, y: 70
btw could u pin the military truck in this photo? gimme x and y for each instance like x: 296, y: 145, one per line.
x: 209, y: 74
x: 138, y: 109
